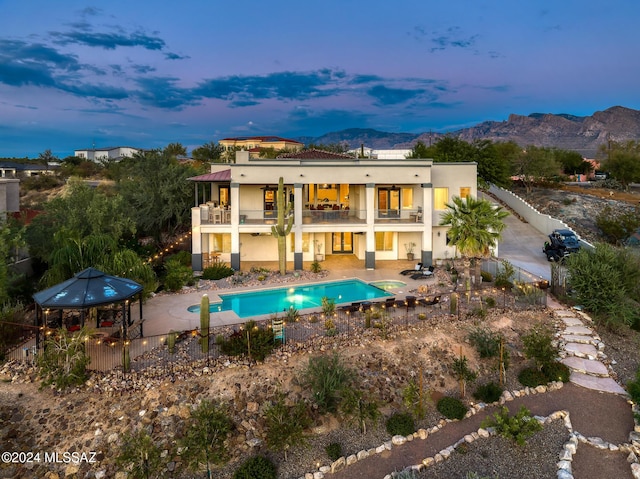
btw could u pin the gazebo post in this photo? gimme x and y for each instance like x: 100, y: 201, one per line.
x: 125, y: 321
x: 38, y: 328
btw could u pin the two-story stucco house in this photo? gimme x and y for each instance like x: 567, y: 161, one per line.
x: 371, y: 208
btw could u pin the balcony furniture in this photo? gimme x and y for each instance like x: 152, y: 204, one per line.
x: 216, y: 216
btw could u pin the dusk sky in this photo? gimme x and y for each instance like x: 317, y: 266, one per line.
x: 146, y: 74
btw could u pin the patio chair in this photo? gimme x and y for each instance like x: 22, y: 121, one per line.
x: 277, y: 325
x: 424, y: 274
x: 417, y: 267
x: 429, y: 302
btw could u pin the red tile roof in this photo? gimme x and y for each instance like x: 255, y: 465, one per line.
x: 316, y: 155
x: 224, y: 175
x: 260, y: 138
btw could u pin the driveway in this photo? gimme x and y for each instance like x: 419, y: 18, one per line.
x: 522, y: 245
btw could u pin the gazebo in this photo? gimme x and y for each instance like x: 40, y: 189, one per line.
x: 89, y: 288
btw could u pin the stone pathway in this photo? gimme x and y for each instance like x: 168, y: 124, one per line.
x: 582, y: 351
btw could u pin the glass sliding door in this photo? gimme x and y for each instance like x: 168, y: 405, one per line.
x: 389, y: 202
x: 342, y: 243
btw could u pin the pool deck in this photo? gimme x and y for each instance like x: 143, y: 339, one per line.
x: 163, y: 313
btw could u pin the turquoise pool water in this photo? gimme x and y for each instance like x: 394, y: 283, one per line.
x: 254, y: 303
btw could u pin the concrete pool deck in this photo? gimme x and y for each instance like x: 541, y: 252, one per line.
x: 167, y: 312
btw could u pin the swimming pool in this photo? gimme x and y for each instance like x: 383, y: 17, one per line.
x: 254, y: 303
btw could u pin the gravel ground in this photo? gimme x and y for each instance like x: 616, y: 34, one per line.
x: 497, y: 457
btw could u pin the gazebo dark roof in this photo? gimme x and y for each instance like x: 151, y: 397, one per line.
x: 87, y: 289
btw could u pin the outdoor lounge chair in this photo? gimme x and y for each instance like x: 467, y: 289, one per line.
x: 429, y: 302
x: 425, y: 273
x: 417, y: 267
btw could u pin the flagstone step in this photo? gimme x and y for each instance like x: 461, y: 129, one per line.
x: 576, y: 338
x: 607, y: 385
x: 586, y: 366
x: 579, y: 330
x: 572, y: 321
x: 563, y: 313
x: 581, y: 350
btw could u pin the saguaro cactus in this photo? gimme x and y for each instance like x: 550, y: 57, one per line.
x: 281, y: 230
x: 205, y: 319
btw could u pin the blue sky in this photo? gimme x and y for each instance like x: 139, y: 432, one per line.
x: 146, y: 74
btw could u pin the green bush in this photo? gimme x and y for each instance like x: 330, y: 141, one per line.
x: 217, y: 271
x: 633, y: 387
x: 451, y: 408
x: 538, y: 345
x: 256, y: 467
x: 64, y: 360
x: 334, y: 451
x: 556, y: 371
x: 486, y: 342
x: 316, y: 267
x: 325, y: 377
x: 184, y: 257
x: 518, y: 427
x: 488, y: 393
x: 400, y: 424
x: 261, y: 341
x: 490, y: 302
x: 532, y: 377
x: 504, y: 275
x: 486, y: 276
x: 177, y: 275
x: 139, y: 455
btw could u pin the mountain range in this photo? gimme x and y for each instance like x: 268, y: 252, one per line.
x: 584, y: 134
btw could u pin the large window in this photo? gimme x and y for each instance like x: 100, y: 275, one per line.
x: 440, y: 198
x: 465, y: 191
x: 384, y: 241
x: 220, y: 242
x: 305, y: 242
x: 407, y: 198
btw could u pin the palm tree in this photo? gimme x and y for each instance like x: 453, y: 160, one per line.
x: 475, y: 227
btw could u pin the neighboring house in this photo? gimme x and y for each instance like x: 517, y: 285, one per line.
x: 254, y: 144
x: 373, y: 209
x: 11, y: 169
x: 392, y: 154
x: 108, y: 153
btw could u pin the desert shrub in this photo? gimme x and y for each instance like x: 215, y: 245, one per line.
x: 405, y: 474
x: 538, y: 345
x: 334, y: 451
x: 633, y: 387
x: 451, y: 408
x: 260, y: 339
x: 184, y: 257
x: 316, y: 267
x: 400, y: 424
x: 488, y: 393
x: 286, y: 424
x: 139, y: 455
x: 532, y: 377
x: 64, y: 360
x: 416, y: 398
x: 519, y: 427
x: 556, y: 371
x: 217, y: 271
x: 313, y: 318
x: 325, y: 377
x: 486, y: 341
x: 256, y: 467
x: 328, y: 305
x: 504, y: 275
x: 292, y: 315
x: 490, y: 302
x: 177, y: 275
x: 359, y: 406
x: 486, y: 276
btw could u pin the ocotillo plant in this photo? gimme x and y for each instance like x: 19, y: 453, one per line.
x: 281, y: 230
x: 205, y: 318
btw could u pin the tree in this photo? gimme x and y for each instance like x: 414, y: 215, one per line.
x: 623, y: 162
x: 572, y: 162
x: 209, y: 152
x: 420, y: 150
x: 157, y: 193
x: 492, y: 167
x: 475, y: 227
x: 10, y: 239
x: 534, y: 164
x: 173, y: 150
x: 340, y: 147
x: 281, y: 230
x: 286, y: 424
x: 206, y: 435
x: 617, y: 226
x: 139, y: 455
x: 46, y: 156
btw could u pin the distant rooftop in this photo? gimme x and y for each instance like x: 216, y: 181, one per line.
x: 260, y: 138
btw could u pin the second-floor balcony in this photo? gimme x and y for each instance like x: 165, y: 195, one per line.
x: 221, y: 216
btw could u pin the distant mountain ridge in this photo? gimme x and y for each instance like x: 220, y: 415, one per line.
x: 570, y: 132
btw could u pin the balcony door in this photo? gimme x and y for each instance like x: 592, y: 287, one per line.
x: 342, y: 243
x: 389, y: 202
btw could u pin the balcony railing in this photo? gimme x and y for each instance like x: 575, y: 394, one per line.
x: 328, y: 216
